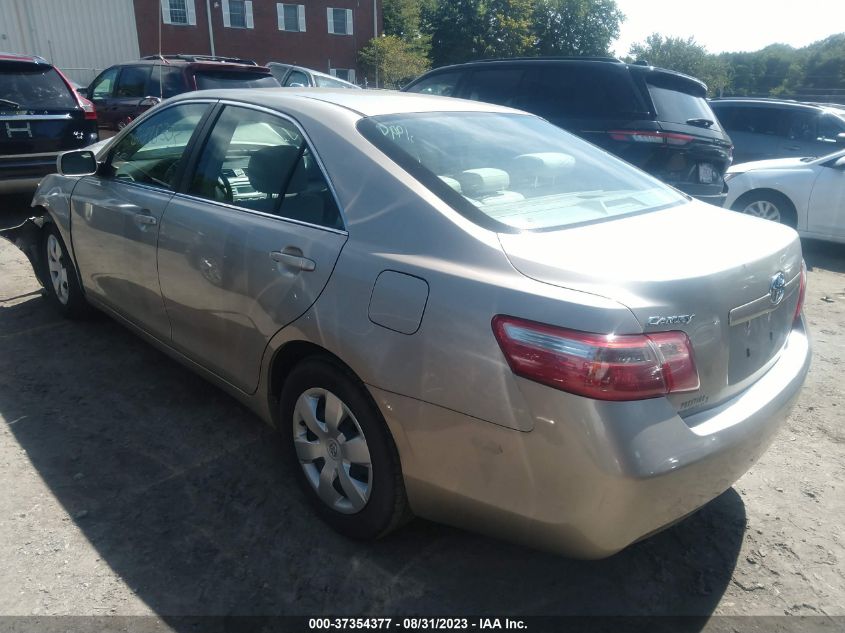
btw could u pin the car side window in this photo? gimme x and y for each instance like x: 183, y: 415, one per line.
x: 261, y: 162
x: 754, y: 120
x: 164, y: 82
x: 802, y: 125
x: 499, y: 86
x: 443, y: 84
x: 151, y: 153
x: 830, y: 126
x: 104, y: 84
x: 132, y: 82
x: 297, y: 79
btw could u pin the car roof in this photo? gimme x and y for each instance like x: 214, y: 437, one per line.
x: 28, y: 59
x: 363, y: 102
x: 640, y: 67
x: 764, y: 102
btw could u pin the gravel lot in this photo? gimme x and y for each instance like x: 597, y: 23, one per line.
x: 130, y: 486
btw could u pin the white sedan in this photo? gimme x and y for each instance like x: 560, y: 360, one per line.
x: 807, y: 194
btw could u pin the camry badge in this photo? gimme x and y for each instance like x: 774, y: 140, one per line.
x: 777, y: 288
x: 682, y: 319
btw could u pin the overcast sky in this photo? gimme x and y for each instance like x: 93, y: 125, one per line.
x: 731, y: 25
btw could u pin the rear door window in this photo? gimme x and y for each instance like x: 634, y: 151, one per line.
x: 211, y: 79
x: 495, y: 85
x: 33, y: 87
x: 831, y: 126
x: 132, y: 82
x: 580, y: 91
x: 165, y: 82
x: 441, y: 84
x: 675, y: 105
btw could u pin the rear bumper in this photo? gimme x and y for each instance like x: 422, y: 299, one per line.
x: 22, y: 172
x: 592, y: 477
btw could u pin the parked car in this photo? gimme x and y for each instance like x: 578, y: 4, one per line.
x: 447, y: 308
x: 656, y: 119
x: 40, y: 116
x: 768, y: 128
x: 124, y: 91
x: 301, y: 77
x: 807, y: 194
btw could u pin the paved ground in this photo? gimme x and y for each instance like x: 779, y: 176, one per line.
x: 130, y: 486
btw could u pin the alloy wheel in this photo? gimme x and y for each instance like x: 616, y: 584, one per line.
x: 763, y: 209
x: 57, y: 268
x: 332, y: 450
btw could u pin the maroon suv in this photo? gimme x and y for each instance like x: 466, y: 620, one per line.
x: 124, y: 91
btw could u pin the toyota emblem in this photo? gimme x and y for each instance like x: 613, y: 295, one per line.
x: 777, y: 288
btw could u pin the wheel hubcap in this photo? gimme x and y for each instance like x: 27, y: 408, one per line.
x: 332, y: 450
x: 763, y: 209
x: 57, y: 268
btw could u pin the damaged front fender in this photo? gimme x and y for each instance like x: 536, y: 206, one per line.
x: 27, y: 237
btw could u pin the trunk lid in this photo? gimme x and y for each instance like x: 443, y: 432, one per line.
x: 695, y: 268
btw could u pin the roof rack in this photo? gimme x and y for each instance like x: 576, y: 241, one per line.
x: 550, y: 58
x: 203, y: 58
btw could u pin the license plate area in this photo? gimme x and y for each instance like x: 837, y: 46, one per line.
x: 707, y: 174
x: 755, y: 342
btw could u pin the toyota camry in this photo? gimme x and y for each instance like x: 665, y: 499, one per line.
x: 448, y: 309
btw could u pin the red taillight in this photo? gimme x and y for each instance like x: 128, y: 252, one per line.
x: 88, y: 108
x: 599, y: 366
x: 802, y: 291
x: 648, y: 136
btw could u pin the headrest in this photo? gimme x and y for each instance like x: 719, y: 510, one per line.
x: 451, y: 182
x: 476, y: 183
x: 545, y: 163
x: 269, y: 166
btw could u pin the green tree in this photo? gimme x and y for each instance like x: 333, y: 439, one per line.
x: 393, y: 60
x: 456, y: 29
x: 684, y: 56
x: 507, y: 28
x: 576, y: 27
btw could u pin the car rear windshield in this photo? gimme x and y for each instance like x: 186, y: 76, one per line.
x: 33, y: 87
x: 676, y: 105
x: 512, y: 172
x: 209, y: 79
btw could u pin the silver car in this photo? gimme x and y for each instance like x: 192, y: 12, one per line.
x: 448, y: 309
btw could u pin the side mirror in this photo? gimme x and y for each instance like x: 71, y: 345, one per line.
x: 83, y: 92
x: 839, y: 163
x: 149, y: 102
x: 840, y: 138
x: 78, y: 162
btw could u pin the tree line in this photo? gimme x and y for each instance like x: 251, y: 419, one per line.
x: 421, y: 34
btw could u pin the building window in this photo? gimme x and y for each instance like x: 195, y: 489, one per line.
x: 291, y: 17
x: 179, y: 12
x: 347, y: 74
x: 237, y: 14
x: 340, y: 21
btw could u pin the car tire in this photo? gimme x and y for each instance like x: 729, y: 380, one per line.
x: 768, y: 205
x: 330, y: 428
x: 59, y: 277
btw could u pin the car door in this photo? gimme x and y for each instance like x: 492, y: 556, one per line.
x: 116, y: 214
x: 100, y: 93
x: 129, y: 92
x: 249, y: 245
x: 826, y: 216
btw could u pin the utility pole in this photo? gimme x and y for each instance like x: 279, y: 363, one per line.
x: 210, y: 28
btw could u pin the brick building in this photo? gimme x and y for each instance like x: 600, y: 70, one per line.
x: 325, y: 35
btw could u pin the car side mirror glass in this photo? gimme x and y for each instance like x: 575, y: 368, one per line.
x: 149, y: 102
x: 80, y: 162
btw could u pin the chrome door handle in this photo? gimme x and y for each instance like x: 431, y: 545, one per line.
x: 294, y: 261
x: 145, y: 220
x: 793, y: 148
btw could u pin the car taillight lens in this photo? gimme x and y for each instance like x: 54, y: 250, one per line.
x: 599, y: 366
x: 802, y: 292
x: 647, y: 136
x: 88, y: 108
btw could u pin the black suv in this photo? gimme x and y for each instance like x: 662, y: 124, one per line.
x: 656, y: 119
x: 40, y: 116
x: 123, y: 92
x: 772, y: 128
